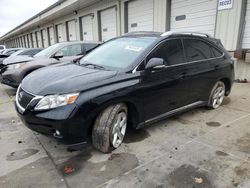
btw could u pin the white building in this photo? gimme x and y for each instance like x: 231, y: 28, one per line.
x: 99, y: 20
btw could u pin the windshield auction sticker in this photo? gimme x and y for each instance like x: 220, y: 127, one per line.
x: 133, y: 48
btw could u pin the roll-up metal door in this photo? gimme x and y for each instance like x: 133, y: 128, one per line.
x: 30, y: 40
x: 108, y: 24
x: 246, y: 33
x: 59, y: 32
x: 39, y: 39
x: 51, y: 36
x: 45, y: 38
x: 87, y: 28
x: 140, y: 15
x: 71, y: 30
x: 194, y: 15
x: 34, y: 40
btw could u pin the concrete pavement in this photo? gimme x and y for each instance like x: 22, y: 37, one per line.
x: 200, y: 148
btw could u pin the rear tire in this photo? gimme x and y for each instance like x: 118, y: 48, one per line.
x: 217, y: 95
x: 110, y: 128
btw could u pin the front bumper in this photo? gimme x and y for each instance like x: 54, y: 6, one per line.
x: 10, y: 78
x: 65, y: 120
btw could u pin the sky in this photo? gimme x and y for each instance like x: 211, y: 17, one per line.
x: 15, y: 12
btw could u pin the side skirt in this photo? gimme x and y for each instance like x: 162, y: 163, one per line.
x: 171, y: 113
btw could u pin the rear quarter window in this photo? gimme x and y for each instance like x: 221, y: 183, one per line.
x: 196, y: 50
x: 216, y: 52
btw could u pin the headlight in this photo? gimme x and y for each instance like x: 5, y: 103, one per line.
x: 54, y: 101
x: 14, y: 66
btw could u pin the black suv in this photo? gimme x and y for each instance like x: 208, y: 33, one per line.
x: 134, y: 80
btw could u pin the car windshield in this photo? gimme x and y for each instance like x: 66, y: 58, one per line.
x: 47, y: 52
x: 119, y: 53
x: 17, y: 53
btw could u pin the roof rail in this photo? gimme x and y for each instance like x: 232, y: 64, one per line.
x: 141, y: 32
x: 186, y: 33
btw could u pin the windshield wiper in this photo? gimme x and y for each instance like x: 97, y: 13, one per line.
x: 94, y: 65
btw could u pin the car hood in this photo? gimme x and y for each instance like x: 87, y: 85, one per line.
x: 17, y: 59
x: 64, y: 78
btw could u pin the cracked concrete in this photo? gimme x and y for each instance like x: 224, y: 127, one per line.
x: 200, y: 148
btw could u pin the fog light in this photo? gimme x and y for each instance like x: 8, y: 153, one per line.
x: 58, y: 133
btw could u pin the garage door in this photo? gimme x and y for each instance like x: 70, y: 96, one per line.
x: 193, y: 15
x: 30, y: 40
x: 39, y: 39
x: 51, y: 36
x: 71, y: 30
x: 140, y: 15
x: 108, y: 24
x: 45, y: 38
x: 87, y: 28
x: 246, y: 34
x: 34, y: 40
x: 24, y: 41
x: 59, y: 32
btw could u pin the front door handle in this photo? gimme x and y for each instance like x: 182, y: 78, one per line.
x: 216, y: 67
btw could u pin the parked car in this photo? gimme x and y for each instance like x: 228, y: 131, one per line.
x: 2, y: 48
x: 21, y: 56
x: 133, y: 80
x: 13, y: 74
x: 7, y: 52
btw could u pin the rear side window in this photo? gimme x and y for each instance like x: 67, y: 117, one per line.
x: 171, y: 51
x: 216, y: 52
x: 196, y: 50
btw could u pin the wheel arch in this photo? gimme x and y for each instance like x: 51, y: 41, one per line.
x: 228, y: 85
x: 133, y: 113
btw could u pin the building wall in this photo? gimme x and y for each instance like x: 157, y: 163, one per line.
x: 228, y: 25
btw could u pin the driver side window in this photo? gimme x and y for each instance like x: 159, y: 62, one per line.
x: 171, y: 51
x: 72, y: 50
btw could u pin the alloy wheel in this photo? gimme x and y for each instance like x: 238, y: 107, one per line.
x: 119, y: 129
x: 218, y: 96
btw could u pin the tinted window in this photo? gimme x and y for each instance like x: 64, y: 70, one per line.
x: 216, y: 52
x: 196, y: 50
x: 1, y: 47
x: 171, y: 51
x: 72, y: 50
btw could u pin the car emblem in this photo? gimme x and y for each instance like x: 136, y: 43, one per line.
x: 20, y: 96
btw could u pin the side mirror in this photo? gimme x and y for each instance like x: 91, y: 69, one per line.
x: 155, y: 63
x: 58, y: 55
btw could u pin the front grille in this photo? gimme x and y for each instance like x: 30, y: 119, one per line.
x: 24, y: 98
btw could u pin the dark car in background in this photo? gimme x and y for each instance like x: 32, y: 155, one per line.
x: 12, y: 74
x: 133, y: 80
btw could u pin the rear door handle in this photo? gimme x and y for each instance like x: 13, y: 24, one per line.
x: 183, y: 75
x: 216, y: 67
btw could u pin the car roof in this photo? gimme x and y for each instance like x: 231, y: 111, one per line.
x: 78, y: 42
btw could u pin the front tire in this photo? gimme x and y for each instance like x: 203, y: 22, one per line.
x: 110, y: 128
x: 217, y: 95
